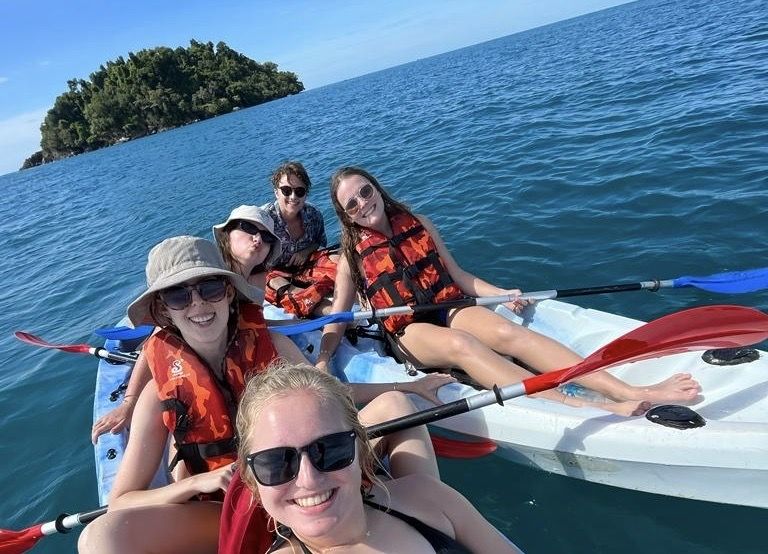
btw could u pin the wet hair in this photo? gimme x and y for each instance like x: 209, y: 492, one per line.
x: 350, y: 231
x: 291, y: 169
x: 226, y: 251
x: 282, y: 379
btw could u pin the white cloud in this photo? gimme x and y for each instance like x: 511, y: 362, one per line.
x: 3, y: 80
x: 19, y: 139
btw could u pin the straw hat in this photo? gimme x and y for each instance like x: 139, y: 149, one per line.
x: 254, y: 214
x: 180, y: 259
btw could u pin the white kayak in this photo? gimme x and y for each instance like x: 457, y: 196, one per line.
x: 726, y: 460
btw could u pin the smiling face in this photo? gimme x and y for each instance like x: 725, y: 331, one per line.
x: 202, y: 323
x: 290, y: 206
x: 249, y: 250
x: 316, y: 505
x: 363, y: 206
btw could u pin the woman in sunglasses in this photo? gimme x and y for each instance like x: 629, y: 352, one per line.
x: 212, y: 337
x: 302, y: 275
x: 312, y: 468
x: 248, y: 244
x: 392, y: 257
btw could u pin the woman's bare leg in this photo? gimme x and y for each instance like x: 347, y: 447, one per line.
x: 434, y: 346
x: 410, y: 451
x: 191, y: 528
x: 545, y: 354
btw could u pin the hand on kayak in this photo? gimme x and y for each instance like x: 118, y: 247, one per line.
x: 114, y: 421
x: 427, y: 386
x: 519, y: 304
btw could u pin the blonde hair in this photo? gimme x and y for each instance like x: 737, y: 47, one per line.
x: 281, y: 379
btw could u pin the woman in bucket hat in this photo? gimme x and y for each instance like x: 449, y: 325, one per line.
x: 212, y: 337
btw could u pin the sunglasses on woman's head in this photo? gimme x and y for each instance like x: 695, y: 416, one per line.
x: 251, y: 229
x: 210, y: 290
x: 298, y: 191
x: 353, y: 206
x: 280, y: 465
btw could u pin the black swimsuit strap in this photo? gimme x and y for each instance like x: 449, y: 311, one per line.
x: 442, y: 543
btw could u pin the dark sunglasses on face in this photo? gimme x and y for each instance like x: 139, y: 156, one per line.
x: 210, y: 290
x: 251, y: 229
x: 298, y: 191
x: 353, y: 206
x: 280, y: 465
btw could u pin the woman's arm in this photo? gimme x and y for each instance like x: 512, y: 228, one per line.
x: 470, y: 284
x: 426, y: 387
x: 119, y: 418
x: 426, y: 498
x: 287, y: 349
x: 143, y: 456
x: 343, y: 299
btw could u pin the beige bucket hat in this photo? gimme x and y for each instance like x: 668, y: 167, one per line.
x: 180, y: 259
x: 254, y: 214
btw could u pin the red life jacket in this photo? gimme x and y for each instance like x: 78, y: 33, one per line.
x: 403, y: 270
x: 199, y: 407
x: 308, y: 285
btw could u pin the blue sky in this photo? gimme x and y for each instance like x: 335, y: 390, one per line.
x: 43, y: 44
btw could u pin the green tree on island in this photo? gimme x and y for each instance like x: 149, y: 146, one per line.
x: 154, y: 90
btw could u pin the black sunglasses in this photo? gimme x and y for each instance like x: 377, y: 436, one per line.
x: 353, y: 206
x: 252, y: 229
x: 280, y: 465
x: 298, y: 191
x: 210, y: 290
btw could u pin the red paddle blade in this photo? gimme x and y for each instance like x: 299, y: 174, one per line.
x: 16, y: 542
x: 693, y: 329
x: 34, y: 340
x: 462, y: 449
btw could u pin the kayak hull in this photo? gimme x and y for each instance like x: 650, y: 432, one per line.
x: 724, y: 461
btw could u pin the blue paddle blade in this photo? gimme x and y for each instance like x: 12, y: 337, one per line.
x: 313, y: 324
x: 732, y: 282
x: 125, y: 333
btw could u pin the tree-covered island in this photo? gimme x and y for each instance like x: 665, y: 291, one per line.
x: 153, y: 90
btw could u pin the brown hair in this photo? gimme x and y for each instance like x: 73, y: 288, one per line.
x: 350, y: 232
x: 226, y: 251
x: 280, y: 379
x: 291, y: 169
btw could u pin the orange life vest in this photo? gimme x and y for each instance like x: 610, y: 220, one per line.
x: 199, y: 407
x: 403, y: 270
x: 308, y: 285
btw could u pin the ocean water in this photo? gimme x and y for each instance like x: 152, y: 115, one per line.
x: 619, y: 146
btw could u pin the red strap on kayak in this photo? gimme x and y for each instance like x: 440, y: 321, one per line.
x: 244, y: 523
x: 462, y: 449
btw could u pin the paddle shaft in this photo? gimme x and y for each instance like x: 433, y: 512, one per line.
x: 500, y: 299
x: 65, y: 522
x: 122, y: 357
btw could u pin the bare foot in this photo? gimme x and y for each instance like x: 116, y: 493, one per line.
x: 627, y: 408
x: 678, y: 388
